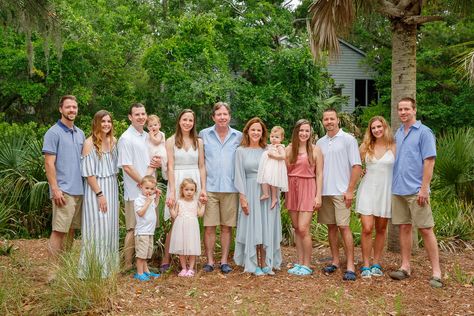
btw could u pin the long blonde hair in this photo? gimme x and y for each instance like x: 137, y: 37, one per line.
x: 368, y: 144
x: 295, y: 143
x: 97, y: 131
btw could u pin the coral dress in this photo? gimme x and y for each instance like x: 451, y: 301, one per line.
x: 185, y: 236
x: 272, y: 171
x: 375, y: 189
x: 302, y: 185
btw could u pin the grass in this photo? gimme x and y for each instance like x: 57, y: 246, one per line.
x: 461, y: 277
x: 13, y: 290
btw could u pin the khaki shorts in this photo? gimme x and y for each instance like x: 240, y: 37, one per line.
x: 130, y: 220
x: 221, y: 209
x: 406, y: 210
x: 334, y: 211
x: 144, y: 246
x: 69, y: 215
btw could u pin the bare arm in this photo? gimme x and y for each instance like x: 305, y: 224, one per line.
x: 142, y: 211
x: 130, y: 170
x: 424, y: 193
x: 200, y: 209
x: 278, y: 153
x: 155, y: 139
x: 318, y: 158
x: 287, y: 155
x: 174, y: 211
x: 50, y: 168
x: 171, y: 179
x: 202, y: 172
x: 355, y: 175
x: 244, y: 204
x: 92, y: 180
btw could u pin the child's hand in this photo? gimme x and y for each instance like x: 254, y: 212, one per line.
x: 158, y: 192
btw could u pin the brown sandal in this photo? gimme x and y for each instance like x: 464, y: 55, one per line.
x: 399, y: 275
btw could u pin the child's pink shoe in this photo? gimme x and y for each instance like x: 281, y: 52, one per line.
x: 190, y: 273
x: 183, y: 273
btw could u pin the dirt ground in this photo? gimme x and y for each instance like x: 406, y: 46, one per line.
x: 239, y: 293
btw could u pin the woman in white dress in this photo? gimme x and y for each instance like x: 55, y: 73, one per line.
x: 374, y: 193
x: 185, y: 160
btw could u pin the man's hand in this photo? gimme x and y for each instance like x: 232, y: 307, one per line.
x: 423, y: 197
x: 155, y: 162
x: 348, y: 197
x: 58, y: 197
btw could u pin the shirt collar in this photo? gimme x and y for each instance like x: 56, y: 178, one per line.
x: 339, y: 133
x: 231, y: 130
x: 416, y: 125
x: 135, y: 132
x: 65, y: 128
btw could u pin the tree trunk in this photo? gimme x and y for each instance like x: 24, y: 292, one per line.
x: 403, y: 85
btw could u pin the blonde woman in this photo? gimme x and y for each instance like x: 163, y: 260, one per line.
x: 374, y: 193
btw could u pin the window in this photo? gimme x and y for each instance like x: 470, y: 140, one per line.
x: 365, y: 92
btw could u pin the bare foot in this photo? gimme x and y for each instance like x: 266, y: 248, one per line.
x: 264, y: 196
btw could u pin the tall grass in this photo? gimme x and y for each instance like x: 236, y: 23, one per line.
x: 70, y: 294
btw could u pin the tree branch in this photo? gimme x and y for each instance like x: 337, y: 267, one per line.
x: 389, y: 9
x: 418, y: 19
x: 403, y: 4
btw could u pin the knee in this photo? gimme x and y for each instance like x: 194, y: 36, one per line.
x: 425, y: 232
x: 367, y: 230
x: 302, y: 231
x: 381, y: 230
x: 405, y: 229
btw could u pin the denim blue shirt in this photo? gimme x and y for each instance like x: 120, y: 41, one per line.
x: 220, y: 159
x: 412, y: 149
x: 66, y: 144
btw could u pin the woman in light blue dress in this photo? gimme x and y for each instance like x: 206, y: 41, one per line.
x: 100, y: 218
x: 258, y: 236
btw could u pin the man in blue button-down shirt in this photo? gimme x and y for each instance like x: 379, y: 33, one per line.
x: 220, y: 142
x: 412, y: 173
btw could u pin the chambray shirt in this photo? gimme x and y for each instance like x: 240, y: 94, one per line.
x: 66, y: 144
x: 412, y: 149
x: 220, y: 158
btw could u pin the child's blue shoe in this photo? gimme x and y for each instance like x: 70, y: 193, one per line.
x: 152, y: 274
x: 141, y: 277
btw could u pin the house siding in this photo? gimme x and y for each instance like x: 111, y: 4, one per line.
x: 346, y: 69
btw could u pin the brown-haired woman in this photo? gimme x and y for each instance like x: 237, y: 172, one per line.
x: 373, y: 201
x: 258, y: 236
x: 101, y: 198
x: 185, y: 160
x: 305, y: 178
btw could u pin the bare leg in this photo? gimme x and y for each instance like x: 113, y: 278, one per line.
x: 333, y: 243
x: 405, y: 245
x: 304, y: 222
x: 349, y: 246
x: 259, y: 255
x: 166, y: 255
x: 274, y: 196
x: 265, y: 191
x: 366, y: 238
x: 226, y: 236
x: 299, y: 246
x: 191, y: 262
x: 431, y: 246
x: 210, y: 242
x: 69, y: 239
x: 182, y: 262
x: 56, y: 242
x: 129, y: 249
x: 140, y: 265
x: 263, y: 257
x: 380, y: 235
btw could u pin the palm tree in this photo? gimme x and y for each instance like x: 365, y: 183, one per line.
x: 330, y: 18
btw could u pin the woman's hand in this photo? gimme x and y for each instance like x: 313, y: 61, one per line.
x: 102, y: 203
x: 317, y: 202
x: 244, y: 205
x: 170, y: 200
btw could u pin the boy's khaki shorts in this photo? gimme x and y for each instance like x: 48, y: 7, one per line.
x: 221, y: 209
x: 334, y: 211
x: 406, y: 210
x: 144, y: 246
x: 69, y: 215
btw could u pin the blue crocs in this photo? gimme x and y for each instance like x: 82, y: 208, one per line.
x: 295, y: 268
x: 259, y: 272
x: 304, y: 270
x: 365, y: 272
x: 141, y: 277
x: 152, y: 274
x: 376, y: 270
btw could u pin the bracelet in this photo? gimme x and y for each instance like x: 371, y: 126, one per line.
x: 99, y: 194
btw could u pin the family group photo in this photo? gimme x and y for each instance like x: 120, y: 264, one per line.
x: 226, y: 157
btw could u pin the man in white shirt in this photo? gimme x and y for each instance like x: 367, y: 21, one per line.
x: 342, y: 169
x: 134, y: 160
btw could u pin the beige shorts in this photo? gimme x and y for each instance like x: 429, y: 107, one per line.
x: 144, y: 246
x: 406, y: 210
x: 130, y: 220
x: 221, y: 209
x: 334, y: 211
x: 69, y: 215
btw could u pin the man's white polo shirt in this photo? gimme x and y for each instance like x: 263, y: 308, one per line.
x: 340, y: 153
x: 133, y: 151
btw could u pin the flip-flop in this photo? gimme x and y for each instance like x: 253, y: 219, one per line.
x: 208, y: 267
x: 399, y: 275
x: 329, y: 269
x: 349, y: 276
x: 436, y: 282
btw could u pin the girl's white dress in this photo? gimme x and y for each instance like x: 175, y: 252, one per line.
x: 160, y: 151
x: 272, y: 171
x: 375, y: 190
x: 185, y: 236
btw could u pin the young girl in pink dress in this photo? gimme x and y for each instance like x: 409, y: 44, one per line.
x: 272, y: 168
x: 185, y: 237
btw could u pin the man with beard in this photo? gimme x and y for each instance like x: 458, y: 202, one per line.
x: 62, y: 149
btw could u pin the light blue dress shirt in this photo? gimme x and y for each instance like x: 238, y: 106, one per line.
x: 220, y: 159
x: 412, y: 149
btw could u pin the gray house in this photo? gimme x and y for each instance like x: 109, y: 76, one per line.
x: 352, y: 77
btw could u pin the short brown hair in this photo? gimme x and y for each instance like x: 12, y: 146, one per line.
x: 66, y: 97
x: 331, y: 110
x: 218, y: 105
x: 408, y: 99
x: 134, y: 105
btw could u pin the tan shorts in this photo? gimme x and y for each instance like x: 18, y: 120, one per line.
x: 334, y: 211
x: 406, y: 210
x: 221, y: 209
x: 69, y: 215
x: 130, y: 220
x: 144, y: 246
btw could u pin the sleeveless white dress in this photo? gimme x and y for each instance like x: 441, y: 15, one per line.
x: 272, y: 171
x: 186, y: 165
x: 375, y: 190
